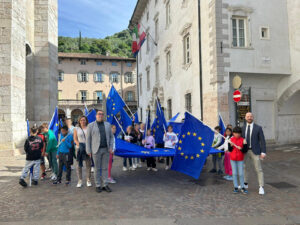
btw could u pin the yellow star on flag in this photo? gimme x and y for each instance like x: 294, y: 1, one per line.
x: 197, y: 155
x: 56, y: 124
x: 183, y: 136
x: 157, y: 126
x: 199, y: 138
x: 108, y: 116
x: 188, y: 133
x: 202, y: 144
x: 192, y: 157
x: 114, y: 108
x: 186, y: 157
x: 194, y: 134
x: 155, y: 150
x: 180, y: 141
x: 182, y: 153
x: 114, y: 104
x: 108, y: 97
x: 179, y: 148
x: 202, y: 151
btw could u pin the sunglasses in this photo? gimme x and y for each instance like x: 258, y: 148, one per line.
x: 100, y: 114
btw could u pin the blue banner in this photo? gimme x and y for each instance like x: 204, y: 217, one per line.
x: 159, y: 126
x: 114, y: 104
x: 173, y: 119
x: 125, y: 119
x: 136, y: 118
x: 193, y: 147
x: 28, y: 128
x: 91, y: 116
x: 54, y: 123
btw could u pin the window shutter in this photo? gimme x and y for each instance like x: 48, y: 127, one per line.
x: 95, y: 77
x: 87, y: 77
x: 87, y: 95
x: 79, y: 77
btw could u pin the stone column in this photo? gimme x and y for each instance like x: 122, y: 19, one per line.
x: 12, y: 75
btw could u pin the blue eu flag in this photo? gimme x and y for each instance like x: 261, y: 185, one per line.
x: 176, y: 127
x: 147, y: 124
x: 114, y: 104
x: 125, y: 119
x: 173, y: 119
x: 54, y: 123
x: 193, y: 146
x: 222, y: 125
x: 28, y: 128
x: 91, y: 116
x: 159, y: 125
x: 86, y: 111
x: 136, y: 118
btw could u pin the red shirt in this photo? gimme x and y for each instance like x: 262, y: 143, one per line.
x: 237, y: 154
x: 43, y: 139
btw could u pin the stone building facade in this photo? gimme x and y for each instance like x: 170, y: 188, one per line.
x: 196, y: 48
x: 85, y: 80
x: 28, y: 68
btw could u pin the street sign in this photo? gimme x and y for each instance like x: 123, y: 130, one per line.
x: 237, y: 95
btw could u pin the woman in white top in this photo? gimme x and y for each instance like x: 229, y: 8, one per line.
x: 80, y: 134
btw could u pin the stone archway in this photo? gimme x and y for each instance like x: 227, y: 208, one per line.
x: 288, y: 93
x: 61, y: 114
x: 75, y: 114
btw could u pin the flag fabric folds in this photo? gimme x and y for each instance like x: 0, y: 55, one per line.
x: 61, y: 122
x: 118, y: 128
x: 193, y: 147
x: 114, y: 104
x: 173, y: 119
x: 91, y: 116
x: 176, y: 127
x: 137, y: 39
x: 222, y: 125
x: 86, y: 111
x: 136, y: 118
x: 125, y: 119
x: 54, y: 123
x: 28, y: 128
x: 159, y: 125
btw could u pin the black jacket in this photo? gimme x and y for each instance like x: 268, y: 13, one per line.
x: 258, y: 143
x: 33, y: 147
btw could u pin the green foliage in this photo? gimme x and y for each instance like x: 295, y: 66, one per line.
x: 118, y: 44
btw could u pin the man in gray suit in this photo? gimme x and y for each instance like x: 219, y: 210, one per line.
x: 255, y: 138
x: 99, y: 143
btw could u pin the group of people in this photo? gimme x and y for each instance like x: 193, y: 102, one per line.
x: 94, y: 145
x: 240, y: 147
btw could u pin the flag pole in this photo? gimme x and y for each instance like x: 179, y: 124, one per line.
x: 52, y: 116
x: 120, y: 126
x: 158, y: 105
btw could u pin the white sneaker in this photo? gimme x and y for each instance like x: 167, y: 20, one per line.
x: 148, y: 168
x: 89, y: 183
x: 72, y: 167
x: 139, y: 165
x: 131, y: 168
x: 246, y: 186
x: 111, y: 181
x: 79, y: 184
x: 54, y: 177
x: 261, y: 191
x: 154, y: 169
x: 239, y: 187
x: 124, y: 168
x: 134, y: 166
x: 167, y: 167
x: 92, y: 170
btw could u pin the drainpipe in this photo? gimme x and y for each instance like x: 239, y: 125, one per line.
x: 200, y: 62
x: 137, y: 82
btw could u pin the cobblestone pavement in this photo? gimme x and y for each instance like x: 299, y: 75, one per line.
x: 164, y: 197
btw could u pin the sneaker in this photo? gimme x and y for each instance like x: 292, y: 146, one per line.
x: 213, y: 171
x: 235, y: 190
x: 48, y: 170
x: 111, y: 181
x: 98, y: 189
x: 246, y: 185
x: 72, y: 167
x: 134, y: 166
x: 244, y: 190
x: 167, y: 167
x: 225, y: 177
x: 154, y: 169
x: 92, y: 170
x: 54, y: 177
x: 67, y: 182
x: 124, y: 168
x: 139, y: 165
x: 131, y: 168
x: 34, y: 182
x: 220, y: 172
x: 239, y: 187
x: 23, y: 183
x: 57, y: 182
x: 261, y: 191
x: 148, y: 168
x: 89, y: 183
x: 79, y: 184
x: 106, y: 188
x: 229, y: 178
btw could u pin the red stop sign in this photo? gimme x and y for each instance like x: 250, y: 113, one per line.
x: 237, y: 95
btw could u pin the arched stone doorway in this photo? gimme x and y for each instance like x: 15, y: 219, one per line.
x: 75, y: 114
x: 61, y: 114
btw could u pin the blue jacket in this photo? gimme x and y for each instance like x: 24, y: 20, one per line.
x: 66, y: 145
x: 258, y: 143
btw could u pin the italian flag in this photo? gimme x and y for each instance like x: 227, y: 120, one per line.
x: 137, y: 39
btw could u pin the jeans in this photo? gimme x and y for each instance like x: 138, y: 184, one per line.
x: 250, y: 156
x: 168, y: 160
x: 88, y: 169
x: 237, y: 173
x: 125, y: 162
x: 52, y: 156
x: 36, y: 169
x: 64, y: 160
x: 151, y: 162
x: 101, y: 159
x: 216, y: 158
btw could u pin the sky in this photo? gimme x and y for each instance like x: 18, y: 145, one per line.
x: 94, y: 18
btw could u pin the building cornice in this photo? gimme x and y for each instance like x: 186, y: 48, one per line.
x: 63, y: 55
x: 137, y: 13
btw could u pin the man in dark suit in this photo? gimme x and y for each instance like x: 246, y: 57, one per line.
x: 255, y: 138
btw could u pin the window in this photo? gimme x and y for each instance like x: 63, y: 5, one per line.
x: 83, y: 95
x: 59, y: 95
x: 186, y: 42
x: 129, y: 64
x: 238, y: 32
x: 169, y: 103
x: 129, y: 77
x: 114, y: 78
x: 157, y: 72
x: 82, y: 77
x: 188, y: 102
x: 168, y: 59
x: 83, y: 62
x: 130, y: 96
x: 59, y: 61
x: 98, y: 77
x: 264, y: 33
x: 156, y: 29
x: 168, y: 16
x: 99, y: 63
x: 60, y: 75
x: 98, y: 96
x: 114, y: 64
x: 148, y: 79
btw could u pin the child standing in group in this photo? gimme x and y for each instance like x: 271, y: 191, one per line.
x: 224, y: 147
x: 65, y: 143
x: 238, y: 147
x: 217, y: 158
x: 43, y: 167
x: 129, y: 137
x: 33, y: 148
x: 51, y: 149
x: 111, y: 155
x: 170, y: 140
x: 149, y: 143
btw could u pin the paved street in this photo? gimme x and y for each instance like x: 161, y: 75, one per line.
x: 165, y: 197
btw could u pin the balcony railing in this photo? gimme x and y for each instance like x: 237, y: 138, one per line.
x: 88, y: 102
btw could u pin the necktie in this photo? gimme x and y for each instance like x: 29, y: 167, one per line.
x: 248, y: 136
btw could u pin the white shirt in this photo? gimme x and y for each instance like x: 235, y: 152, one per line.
x: 170, y: 140
x: 251, y: 128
